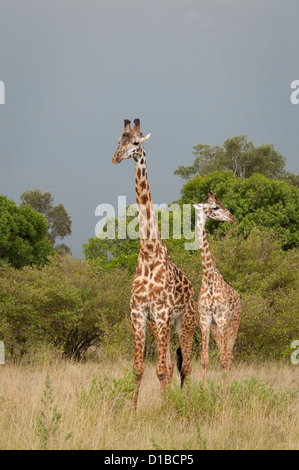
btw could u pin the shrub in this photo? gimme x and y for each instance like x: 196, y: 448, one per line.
x: 196, y: 403
x: 66, y: 304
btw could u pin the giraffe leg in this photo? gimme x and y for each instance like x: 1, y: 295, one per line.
x: 170, y: 364
x: 185, y: 331
x: 216, y: 334
x: 138, y: 324
x: 169, y: 358
x: 205, y: 323
x: 224, y: 353
x: 163, y: 332
x: 232, y: 333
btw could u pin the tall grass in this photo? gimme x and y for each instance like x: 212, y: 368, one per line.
x: 55, y: 404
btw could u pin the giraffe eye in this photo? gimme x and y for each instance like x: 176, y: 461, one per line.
x: 215, y: 208
x: 135, y: 143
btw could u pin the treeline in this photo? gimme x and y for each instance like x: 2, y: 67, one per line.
x: 75, y: 304
x: 242, y: 157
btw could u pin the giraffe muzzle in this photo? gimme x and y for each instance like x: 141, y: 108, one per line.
x: 116, y: 159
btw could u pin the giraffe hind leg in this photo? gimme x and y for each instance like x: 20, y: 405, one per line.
x: 232, y: 334
x: 179, y: 363
x: 216, y: 334
x: 138, y: 324
x: 185, y: 329
x: 169, y: 356
x: 163, y: 335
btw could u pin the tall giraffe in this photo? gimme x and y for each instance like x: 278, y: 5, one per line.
x: 218, y: 303
x: 161, y: 292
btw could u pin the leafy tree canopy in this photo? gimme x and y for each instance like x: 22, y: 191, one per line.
x: 59, y: 222
x: 23, y: 235
x: 239, y: 156
x: 255, y: 201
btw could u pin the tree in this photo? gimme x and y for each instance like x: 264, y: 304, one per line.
x: 292, y: 178
x: 63, y: 250
x: 207, y: 159
x: 68, y: 304
x: 254, y: 201
x: 23, y: 235
x: 59, y: 222
x: 240, y: 156
x: 237, y: 155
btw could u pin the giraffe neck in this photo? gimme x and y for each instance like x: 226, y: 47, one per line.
x: 148, y: 226
x: 207, y: 260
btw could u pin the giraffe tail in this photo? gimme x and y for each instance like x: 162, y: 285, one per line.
x: 179, y: 363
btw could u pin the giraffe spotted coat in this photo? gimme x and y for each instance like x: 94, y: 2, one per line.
x: 161, y: 293
x: 218, y: 303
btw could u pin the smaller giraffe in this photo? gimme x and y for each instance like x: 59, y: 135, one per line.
x: 218, y: 303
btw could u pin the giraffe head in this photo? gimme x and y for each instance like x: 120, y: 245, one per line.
x: 130, y: 143
x: 212, y: 209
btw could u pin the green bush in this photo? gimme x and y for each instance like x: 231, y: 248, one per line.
x: 67, y: 304
x: 115, y: 391
x: 196, y: 402
x: 23, y: 235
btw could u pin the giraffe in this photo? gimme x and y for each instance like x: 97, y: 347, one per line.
x: 218, y: 303
x: 161, y: 293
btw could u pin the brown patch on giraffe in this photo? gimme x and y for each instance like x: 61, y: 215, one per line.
x: 143, y: 185
x: 144, y: 199
x: 158, y: 278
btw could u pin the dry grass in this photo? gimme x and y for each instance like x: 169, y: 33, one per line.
x: 71, y: 413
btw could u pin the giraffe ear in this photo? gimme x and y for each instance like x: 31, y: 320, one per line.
x: 143, y: 138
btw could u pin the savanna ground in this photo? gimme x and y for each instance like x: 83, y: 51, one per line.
x: 48, y: 403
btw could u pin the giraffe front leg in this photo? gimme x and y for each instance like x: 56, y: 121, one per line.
x: 232, y: 331
x: 225, y: 354
x: 169, y: 358
x: 205, y: 323
x: 138, y: 324
x: 162, y: 369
